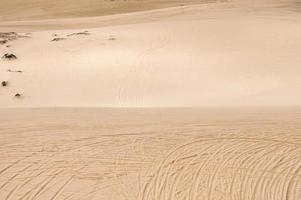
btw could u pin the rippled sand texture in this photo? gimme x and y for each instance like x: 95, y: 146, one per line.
x: 150, y: 154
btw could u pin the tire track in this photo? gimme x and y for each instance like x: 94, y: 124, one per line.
x: 203, y: 165
x: 61, y: 188
x: 125, y: 85
x: 45, y: 183
x: 289, y: 191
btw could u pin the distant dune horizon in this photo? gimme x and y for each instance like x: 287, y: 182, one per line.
x: 15, y: 10
x: 19, y: 10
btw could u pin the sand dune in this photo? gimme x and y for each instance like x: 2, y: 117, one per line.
x: 202, y: 55
x: 45, y: 9
x: 235, y: 64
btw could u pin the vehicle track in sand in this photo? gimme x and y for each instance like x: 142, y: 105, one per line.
x: 193, y: 156
x: 127, y: 94
x: 228, y: 168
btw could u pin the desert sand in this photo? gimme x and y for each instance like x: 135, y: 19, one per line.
x: 150, y: 100
x: 150, y: 154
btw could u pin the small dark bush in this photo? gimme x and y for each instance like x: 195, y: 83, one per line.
x: 3, y: 41
x: 4, y: 83
x: 17, y: 71
x: 18, y: 95
x: 9, y: 56
x: 57, y: 39
x: 79, y: 33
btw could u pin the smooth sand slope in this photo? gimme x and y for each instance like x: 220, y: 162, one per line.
x: 238, y: 53
x: 203, y: 55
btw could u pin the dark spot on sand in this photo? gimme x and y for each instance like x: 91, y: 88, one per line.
x: 79, y: 33
x: 16, y: 71
x: 9, y: 36
x: 57, y: 39
x: 3, y: 41
x: 9, y: 56
x: 18, y: 95
x: 112, y: 38
x: 4, y: 83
